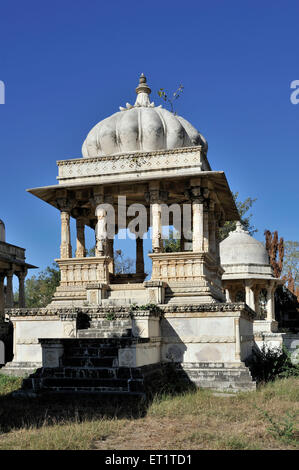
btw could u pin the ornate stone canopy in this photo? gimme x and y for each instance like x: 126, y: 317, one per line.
x: 153, y: 158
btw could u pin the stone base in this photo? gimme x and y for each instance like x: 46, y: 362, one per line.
x: 233, y: 377
x: 20, y: 369
x: 265, y: 326
x: 89, y: 366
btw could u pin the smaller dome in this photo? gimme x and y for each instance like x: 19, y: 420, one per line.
x: 240, y: 248
x: 2, y: 231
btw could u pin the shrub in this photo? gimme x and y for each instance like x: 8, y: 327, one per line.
x: 269, y: 363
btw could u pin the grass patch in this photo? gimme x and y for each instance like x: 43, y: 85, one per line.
x: 9, y: 384
x: 265, y: 419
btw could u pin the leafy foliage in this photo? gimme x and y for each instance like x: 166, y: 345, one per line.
x: 268, y: 364
x: 153, y: 308
x: 170, y: 101
x: 40, y: 289
x: 284, y: 429
x: 171, y: 244
x: 243, y: 208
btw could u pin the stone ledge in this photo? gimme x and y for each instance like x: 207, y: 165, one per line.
x: 66, y: 313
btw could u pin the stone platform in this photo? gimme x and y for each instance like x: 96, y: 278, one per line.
x: 122, y: 350
x: 89, y: 366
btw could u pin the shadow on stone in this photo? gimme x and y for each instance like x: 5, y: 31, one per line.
x: 19, y: 410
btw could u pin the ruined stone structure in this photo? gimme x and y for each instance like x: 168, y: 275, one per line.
x: 12, y: 262
x: 113, y: 332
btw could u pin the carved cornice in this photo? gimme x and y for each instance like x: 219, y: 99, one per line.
x: 125, y: 312
x: 212, y: 307
x: 134, y: 155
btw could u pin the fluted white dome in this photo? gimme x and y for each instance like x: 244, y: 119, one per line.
x: 143, y: 127
x: 240, y: 248
x: 2, y: 231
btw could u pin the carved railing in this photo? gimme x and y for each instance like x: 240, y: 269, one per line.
x: 82, y: 271
x: 184, y: 266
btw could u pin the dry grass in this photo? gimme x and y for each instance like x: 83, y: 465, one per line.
x: 265, y: 419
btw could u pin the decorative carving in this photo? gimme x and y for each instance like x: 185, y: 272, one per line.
x: 124, y: 163
x: 126, y: 358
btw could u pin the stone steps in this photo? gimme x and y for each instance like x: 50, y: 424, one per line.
x: 104, y: 333
x: 88, y: 365
x: 219, y: 376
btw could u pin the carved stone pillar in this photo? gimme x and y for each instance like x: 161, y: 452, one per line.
x: 101, y: 225
x: 65, y: 247
x: 156, y: 198
x: 65, y: 206
x: 249, y: 294
x: 228, y: 294
x: 212, y: 228
x: 256, y: 301
x: 80, y: 249
x: 9, y: 290
x: 182, y: 239
x: 197, y: 219
x: 110, y: 253
x: 237, y: 340
x: 21, y: 275
x: 206, y: 238
x: 270, y: 302
x: 139, y: 256
x: 101, y: 232
x: 2, y: 306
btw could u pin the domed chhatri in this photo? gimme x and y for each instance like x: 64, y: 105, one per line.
x: 248, y: 275
x: 240, y: 248
x: 143, y: 127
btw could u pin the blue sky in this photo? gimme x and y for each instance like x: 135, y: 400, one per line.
x: 68, y: 64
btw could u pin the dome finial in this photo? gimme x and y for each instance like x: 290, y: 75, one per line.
x: 143, y: 91
x: 143, y: 86
x: 240, y: 227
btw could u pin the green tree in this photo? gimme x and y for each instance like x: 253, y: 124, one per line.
x: 40, y: 289
x: 243, y: 208
x: 171, y: 244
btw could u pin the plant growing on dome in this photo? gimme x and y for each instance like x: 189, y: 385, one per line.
x: 170, y: 101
